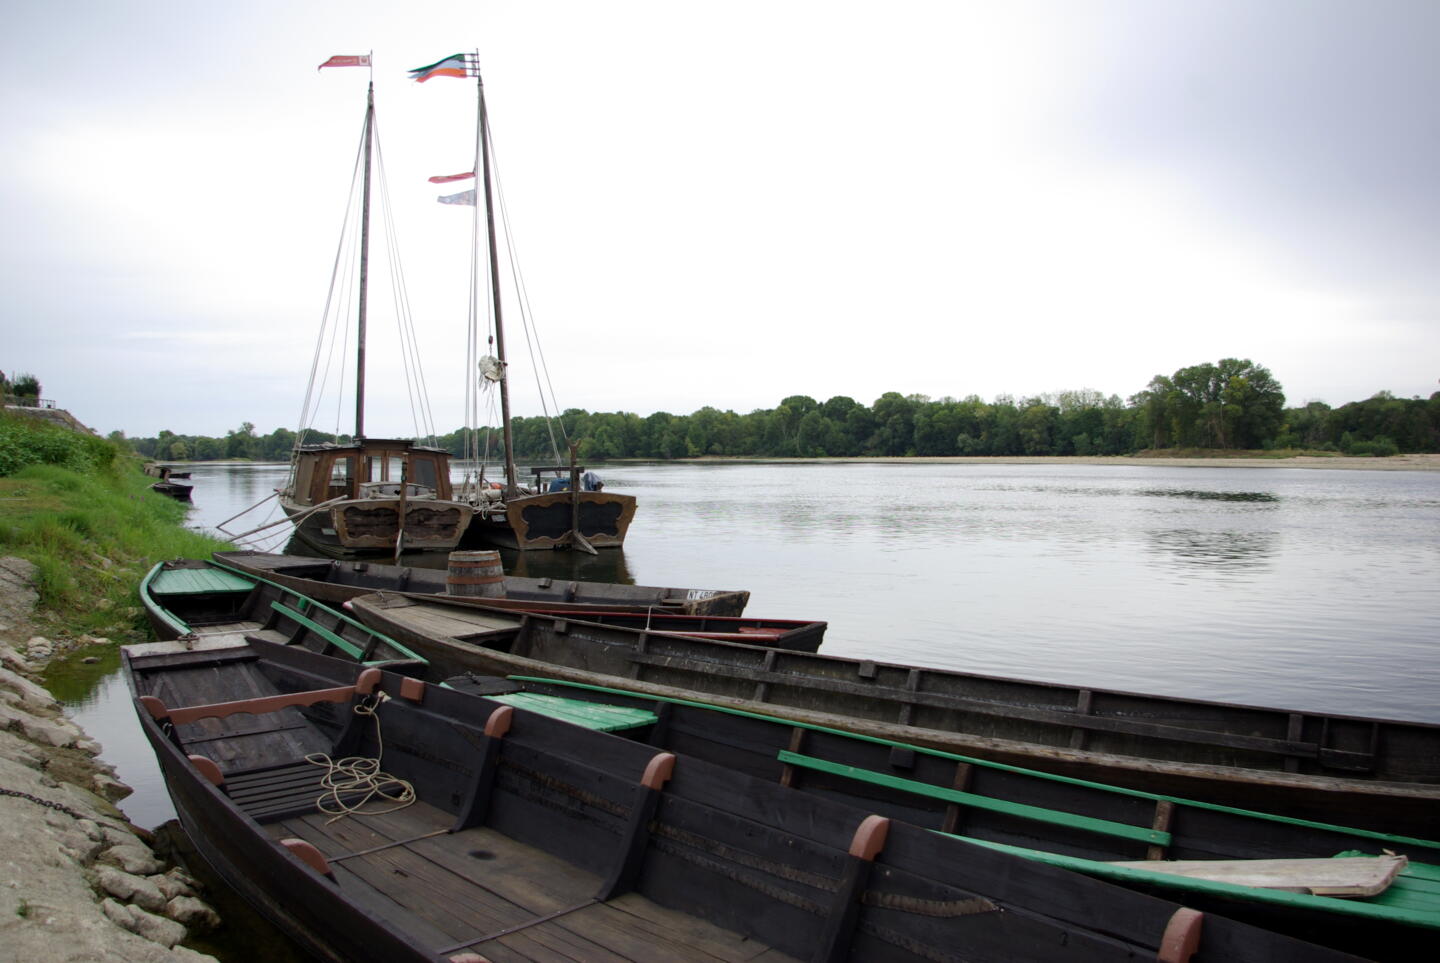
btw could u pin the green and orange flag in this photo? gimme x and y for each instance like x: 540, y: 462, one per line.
x: 455, y: 65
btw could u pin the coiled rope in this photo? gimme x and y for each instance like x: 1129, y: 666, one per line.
x: 346, y: 777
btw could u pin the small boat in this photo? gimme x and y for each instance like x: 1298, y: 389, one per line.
x: 1243, y: 864
x: 335, y: 581
x: 207, y: 605
x: 1347, y: 770
x: 174, y: 489
x: 199, y: 597
x: 480, y: 831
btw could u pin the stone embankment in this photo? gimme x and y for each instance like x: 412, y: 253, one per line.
x: 77, y: 881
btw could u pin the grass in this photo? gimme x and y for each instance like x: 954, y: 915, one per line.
x: 89, y: 522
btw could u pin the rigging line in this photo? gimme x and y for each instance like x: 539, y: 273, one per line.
x: 330, y: 295
x: 522, y: 292
x: 339, y: 320
x: 532, y: 335
x: 405, y: 321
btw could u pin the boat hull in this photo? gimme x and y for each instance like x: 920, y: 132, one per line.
x: 1086, y: 826
x: 371, y: 526
x: 537, y: 832
x: 533, y: 522
x: 1233, y: 755
x: 335, y: 582
x: 212, y: 606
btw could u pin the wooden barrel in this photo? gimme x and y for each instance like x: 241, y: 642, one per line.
x: 475, y: 574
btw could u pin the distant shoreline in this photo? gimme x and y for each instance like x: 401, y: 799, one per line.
x: 1424, y: 462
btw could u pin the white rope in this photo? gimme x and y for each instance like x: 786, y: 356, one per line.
x: 354, y: 774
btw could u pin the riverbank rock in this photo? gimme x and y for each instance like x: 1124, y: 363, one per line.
x: 77, y: 882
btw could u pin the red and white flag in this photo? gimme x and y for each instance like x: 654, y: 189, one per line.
x: 447, y: 178
x: 346, y: 60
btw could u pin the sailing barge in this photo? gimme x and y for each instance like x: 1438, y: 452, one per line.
x: 1371, y: 773
x: 516, y: 836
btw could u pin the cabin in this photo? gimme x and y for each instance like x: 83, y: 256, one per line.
x: 374, y: 468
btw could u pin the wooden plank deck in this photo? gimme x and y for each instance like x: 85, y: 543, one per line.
x: 478, y: 890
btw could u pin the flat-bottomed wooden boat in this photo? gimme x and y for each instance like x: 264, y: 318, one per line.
x: 1246, y: 865
x: 1370, y: 773
x: 334, y: 581
x: 519, y: 837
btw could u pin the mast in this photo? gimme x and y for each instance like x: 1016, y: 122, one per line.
x: 482, y: 148
x: 364, y: 269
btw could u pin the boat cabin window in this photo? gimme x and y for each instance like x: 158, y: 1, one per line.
x: 342, y: 471
x: 383, y: 468
x: 422, y: 472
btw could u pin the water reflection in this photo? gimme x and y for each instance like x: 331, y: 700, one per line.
x: 1205, y: 495
x: 1224, y: 551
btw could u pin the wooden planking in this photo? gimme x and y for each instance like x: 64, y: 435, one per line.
x: 591, y: 715
x: 199, y: 581
x: 458, y: 894
x: 1351, y: 876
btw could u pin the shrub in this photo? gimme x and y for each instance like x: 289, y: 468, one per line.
x: 28, y: 441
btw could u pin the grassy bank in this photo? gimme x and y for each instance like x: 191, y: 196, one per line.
x: 81, y: 510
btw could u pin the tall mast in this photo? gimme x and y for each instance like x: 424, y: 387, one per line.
x: 482, y: 147
x: 364, y: 269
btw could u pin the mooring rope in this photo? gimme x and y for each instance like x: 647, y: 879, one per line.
x: 360, y: 774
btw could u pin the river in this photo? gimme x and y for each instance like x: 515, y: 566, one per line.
x: 1311, y: 589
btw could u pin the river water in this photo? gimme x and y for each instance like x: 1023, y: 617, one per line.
x: 1311, y: 589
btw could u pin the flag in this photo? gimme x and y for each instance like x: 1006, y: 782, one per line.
x: 455, y: 65
x: 346, y: 60
x: 464, y: 197
x: 447, y: 178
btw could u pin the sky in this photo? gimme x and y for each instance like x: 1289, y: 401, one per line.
x: 724, y: 204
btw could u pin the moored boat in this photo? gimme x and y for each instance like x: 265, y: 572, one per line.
x: 1380, y: 898
x: 207, y: 605
x: 567, y: 505
x: 499, y: 833
x: 373, y: 497
x: 1348, y: 770
x: 176, y: 490
x: 334, y: 581
x: 370, y: 495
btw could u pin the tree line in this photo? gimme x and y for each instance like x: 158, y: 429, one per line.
x: 1234, y: 404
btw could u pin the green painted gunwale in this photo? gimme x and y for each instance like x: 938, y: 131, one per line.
x: 229, y: 579
x: 1414, y: 898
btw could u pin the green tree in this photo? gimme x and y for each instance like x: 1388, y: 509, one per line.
x: 241, y: 443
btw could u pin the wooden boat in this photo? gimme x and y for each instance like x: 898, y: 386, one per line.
x: 1371, y: 773
x: 206, y: 604
x: 348, y: 500
x: 373, y: 496
x: 566, y: 506
x: 198, y: 597
x: 174, y: 489
x: 336, y: 581
x: 516, y: 836
x: 1243, y: 864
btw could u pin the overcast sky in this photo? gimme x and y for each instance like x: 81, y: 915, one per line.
x: 728, y: 203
